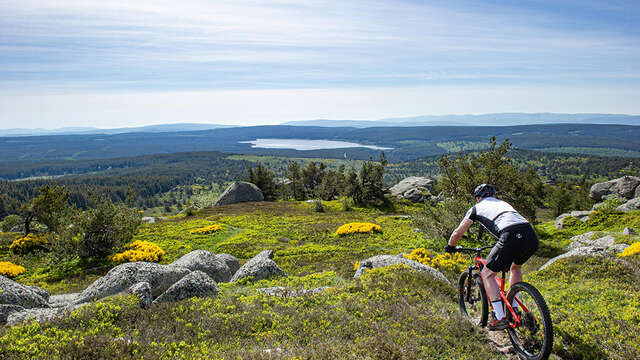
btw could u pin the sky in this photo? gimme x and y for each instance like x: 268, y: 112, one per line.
x: 117, y: 63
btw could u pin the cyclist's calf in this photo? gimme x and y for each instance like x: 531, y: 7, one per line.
x: 491, y: 284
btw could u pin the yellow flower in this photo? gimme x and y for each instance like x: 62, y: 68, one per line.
x: 139, y: 251
x: 353, y: 228
x: 206, y: 230
x: 27, y: 242
x: 11, y: 270
x: 439, y: 261
x: 631, y: 250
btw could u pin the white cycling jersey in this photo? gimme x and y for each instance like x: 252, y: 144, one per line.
x: 495, y: 215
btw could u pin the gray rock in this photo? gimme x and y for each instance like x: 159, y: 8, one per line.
x: 148, y: 219
x: 142, y: 291
x: 558, y: 221
x: 582, y: 251
x: 281, y: 291
x: 239, y: 191
x: 231, y: 261
x: 628, y: 231
x: 14, y: 293
x: 388, y: 260
x: 259, y: 267
x: 617, y: 248
x: 206, y: 262
x: 38, y: 315
x: 40, y: 291
x: 411, y: 188
x: 62, y: 300
x: 631, y: 205
x: 625, y: 186
x: 123, y: 276
x: 6, y: 310
x: 599, y: 190
x: 636, y: 194
x: 580, y: 240
x: 196, y: 283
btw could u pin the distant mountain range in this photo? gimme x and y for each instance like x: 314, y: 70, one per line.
x: 93, y: 130
x: 501, y: 119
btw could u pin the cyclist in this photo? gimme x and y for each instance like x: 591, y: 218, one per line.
x: 517, y: 242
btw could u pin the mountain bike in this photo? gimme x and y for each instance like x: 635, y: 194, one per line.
x: 530, y: 329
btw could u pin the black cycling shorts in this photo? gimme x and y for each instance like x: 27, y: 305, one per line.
x: 516, y: 245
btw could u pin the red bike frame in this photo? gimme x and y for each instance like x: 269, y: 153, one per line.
x: 480, y: 264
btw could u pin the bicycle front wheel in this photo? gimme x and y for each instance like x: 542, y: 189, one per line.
x: 473, y: 299
x: 533, y: 338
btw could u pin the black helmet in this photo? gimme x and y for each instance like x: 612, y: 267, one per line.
x: 484, y: 190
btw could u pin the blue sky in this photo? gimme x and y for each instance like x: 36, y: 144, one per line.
x: 125, y: 63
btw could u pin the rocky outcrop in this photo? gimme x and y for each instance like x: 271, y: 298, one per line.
x: 628, y: 231
x: 197, y: 283
x: 581, y: 215
x: 388, y: 260
x: 213, y: 265
x: 586, y: 239
x: 259, y: 267
x: 14, y: 293
x: 142, y: 291
x: 231, y: 262
x: 238, y: 192
x: 123, y: 276
x: 40, y: 291
x: 62, y: 300
x: 412, y: 188
x: 8, y: 309
x: 633, y: 204
x: 581, y: 251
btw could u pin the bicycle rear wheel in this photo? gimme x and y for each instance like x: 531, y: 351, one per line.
x: 473, y: 299
x: 533, y: 338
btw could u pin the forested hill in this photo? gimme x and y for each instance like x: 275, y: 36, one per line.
x: 407, y: 142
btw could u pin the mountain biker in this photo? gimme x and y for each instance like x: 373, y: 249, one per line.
x: 517, y: 241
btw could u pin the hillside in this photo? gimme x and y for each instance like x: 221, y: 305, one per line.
x: 407, y: 142
x: 388, y: 313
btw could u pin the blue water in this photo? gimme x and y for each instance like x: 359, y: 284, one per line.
x: 303, y: 144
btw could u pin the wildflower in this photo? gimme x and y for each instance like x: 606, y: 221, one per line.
x: 206, y: 230
x: 139, y: 251
x: 631, y: 250
x: 11, y: 270
x: 27, y: 242
x: 353, y: 228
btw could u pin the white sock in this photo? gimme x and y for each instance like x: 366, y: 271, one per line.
x: 498, y: 311
x: 514, y: 303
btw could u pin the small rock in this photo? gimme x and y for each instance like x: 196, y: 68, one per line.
x: 259, y: 267
x: 628, y: 231
x: 148, y: 219
x: 8, y: 309
x: 197, y: 283
x: 143, y: 291
x: 388, y: 260
x: 617, y: 248
x: 558, y: 221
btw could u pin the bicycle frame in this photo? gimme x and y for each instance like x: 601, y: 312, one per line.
x: 479, y: 264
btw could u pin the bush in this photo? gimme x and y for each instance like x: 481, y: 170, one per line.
x: 9, y: 222
x: 353, y: 228
x: 11, y: 270
x: 317, y: 206
x: 29, y: 242
x: 448, y: 262
x: 139, y: 251
x: 206, y: 230
x: 107, y: 228
x: 631, y: 250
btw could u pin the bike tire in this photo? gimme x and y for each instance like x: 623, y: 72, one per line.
x: 531, y: 347
x: 478, y: 310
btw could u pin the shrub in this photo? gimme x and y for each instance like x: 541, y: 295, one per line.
x: 139, y: 251
x: 455, y: 262
x: 353, y: 228
x: 631, y: 250
x: 24, y: 243
x: 10, y: 270
x: 206, y: 230
x: 317, y: 206
x: 9, y: 222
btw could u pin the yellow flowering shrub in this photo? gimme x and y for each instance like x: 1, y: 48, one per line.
x: 10, y: 270
x: 631, y: 250
x: 206, y: 230
x: 30, y: 241
x: 354, y: 228
x: 445, y: 261
x: 139, y: 251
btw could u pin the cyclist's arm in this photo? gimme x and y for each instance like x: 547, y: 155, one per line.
x: 465, y: 224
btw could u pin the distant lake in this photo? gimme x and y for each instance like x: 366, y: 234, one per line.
x: 304, y: 144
